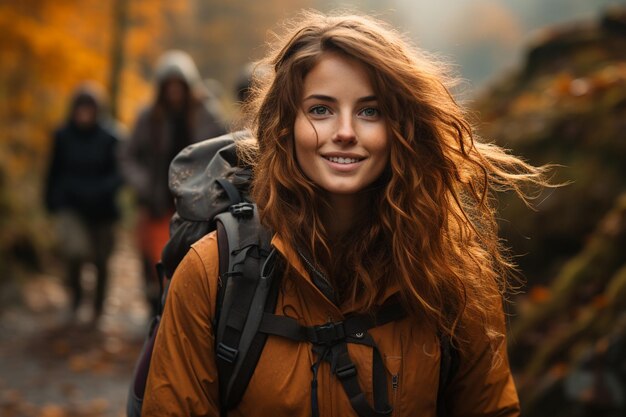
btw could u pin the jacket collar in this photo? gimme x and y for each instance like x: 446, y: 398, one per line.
x: 296, y: 262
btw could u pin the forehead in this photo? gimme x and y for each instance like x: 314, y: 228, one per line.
x: 336, y: 74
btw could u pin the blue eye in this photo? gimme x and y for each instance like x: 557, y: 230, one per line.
x: 370, y: 112
x: 319, y: 110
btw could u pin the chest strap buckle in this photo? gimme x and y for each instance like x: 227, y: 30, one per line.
x: 327, y: 334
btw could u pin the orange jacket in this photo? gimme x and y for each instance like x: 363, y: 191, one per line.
x: 183, y: 375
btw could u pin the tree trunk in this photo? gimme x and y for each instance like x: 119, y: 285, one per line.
x: 119, y: 26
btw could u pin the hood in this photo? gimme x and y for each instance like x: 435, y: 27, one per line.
x: 88, y: 93
x: 177, y: 64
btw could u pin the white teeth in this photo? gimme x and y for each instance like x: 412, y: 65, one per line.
x: 341, y: 160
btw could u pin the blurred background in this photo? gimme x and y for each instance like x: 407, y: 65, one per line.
x: 546, y: 79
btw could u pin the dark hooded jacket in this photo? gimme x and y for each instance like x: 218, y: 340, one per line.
x: 83, y: 174
x: 159, y: 135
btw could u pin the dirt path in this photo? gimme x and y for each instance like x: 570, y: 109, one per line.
x: 49, y: 368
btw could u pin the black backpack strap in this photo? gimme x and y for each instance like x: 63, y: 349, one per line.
x: 252, y: 341
x: 242, y: 299
x: 223, y: 253
x: 234, y: 196
x: 330, y: 344
x: 346, y: 372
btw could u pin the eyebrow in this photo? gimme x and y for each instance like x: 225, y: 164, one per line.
x: 334, y: 100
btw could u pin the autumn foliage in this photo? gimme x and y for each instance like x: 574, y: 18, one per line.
x: 48, y: 47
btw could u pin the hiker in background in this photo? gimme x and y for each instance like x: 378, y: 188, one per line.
x: 379, y: 199
x: 81, y: 187
x: 182, y: 113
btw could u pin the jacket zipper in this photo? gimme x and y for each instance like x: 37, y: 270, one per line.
x: 329, y: 292
x: 311, y: 267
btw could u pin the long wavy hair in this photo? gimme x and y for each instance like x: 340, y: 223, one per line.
x: 430, y: 229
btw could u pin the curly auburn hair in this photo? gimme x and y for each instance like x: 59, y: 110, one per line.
x: 430, y: 229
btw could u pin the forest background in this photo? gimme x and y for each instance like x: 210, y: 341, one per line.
x: 545, y: 78
x: 48, y: 47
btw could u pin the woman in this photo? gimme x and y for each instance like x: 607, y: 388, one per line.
x: 367, y: 173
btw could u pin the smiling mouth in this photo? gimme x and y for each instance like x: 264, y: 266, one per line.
x: 342, y: 160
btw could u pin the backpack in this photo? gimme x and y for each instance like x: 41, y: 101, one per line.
x: 211, y: 193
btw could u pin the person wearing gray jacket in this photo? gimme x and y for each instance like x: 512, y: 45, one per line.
x: 182, y: 112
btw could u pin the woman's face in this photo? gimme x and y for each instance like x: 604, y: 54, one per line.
x: 85, y: 115
x: 174, y: 92
x: 341, y: 138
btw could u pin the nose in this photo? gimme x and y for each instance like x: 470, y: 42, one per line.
x: 345, y: 130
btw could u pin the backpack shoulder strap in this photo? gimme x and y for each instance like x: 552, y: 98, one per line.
x: 246, y: 300
x: 246, y: 290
